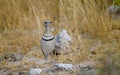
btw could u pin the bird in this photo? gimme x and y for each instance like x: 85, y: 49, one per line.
x: 48, y: 42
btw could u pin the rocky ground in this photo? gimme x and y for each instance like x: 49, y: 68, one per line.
x: 18, y: 64
x: 55, y: 69
x: 33, y: 62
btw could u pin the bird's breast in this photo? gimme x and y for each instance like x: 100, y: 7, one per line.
x: 48, y: 38
x: 48, y: 42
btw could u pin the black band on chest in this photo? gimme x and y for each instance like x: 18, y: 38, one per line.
x: 47, y: 39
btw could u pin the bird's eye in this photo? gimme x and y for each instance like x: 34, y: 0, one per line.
x: 45, y: 22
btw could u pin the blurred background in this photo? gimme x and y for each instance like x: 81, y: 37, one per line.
x: 87, y: 21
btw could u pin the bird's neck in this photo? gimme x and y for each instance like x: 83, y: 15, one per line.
x: 47, y: 31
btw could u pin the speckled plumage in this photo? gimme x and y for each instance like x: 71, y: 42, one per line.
x: 48, y: 41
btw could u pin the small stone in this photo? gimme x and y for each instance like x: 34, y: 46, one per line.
x: 35, y: 71
x: 67, y: 67
x: 112, y: 9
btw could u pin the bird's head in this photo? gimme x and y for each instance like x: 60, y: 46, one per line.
x: 47, y: 23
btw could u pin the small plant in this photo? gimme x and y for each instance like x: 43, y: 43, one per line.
x: 117, y: 2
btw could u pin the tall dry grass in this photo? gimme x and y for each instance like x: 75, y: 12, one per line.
x: 21, y: 23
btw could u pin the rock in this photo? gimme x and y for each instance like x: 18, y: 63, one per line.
x: 63, y: 40
x: 35, y: 71
x: 67, y: 67
x: 112, y: 9
x: 60, y: 69
x: 114, y: 12
x: 86, y: 71
x: 86, y: 68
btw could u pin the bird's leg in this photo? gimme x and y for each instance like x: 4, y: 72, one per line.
x: 52, y: 60
x: 46, y: 58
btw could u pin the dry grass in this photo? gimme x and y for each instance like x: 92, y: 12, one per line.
x: 21, y: 25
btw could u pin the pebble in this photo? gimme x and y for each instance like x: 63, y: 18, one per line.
x: 35, y: 71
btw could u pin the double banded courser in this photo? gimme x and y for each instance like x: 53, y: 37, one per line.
x: 48, y: 41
